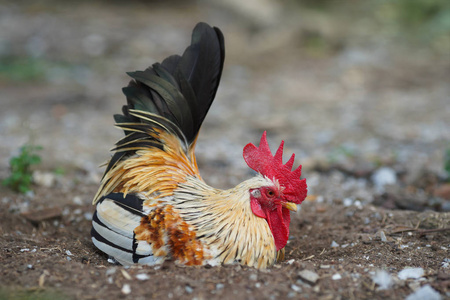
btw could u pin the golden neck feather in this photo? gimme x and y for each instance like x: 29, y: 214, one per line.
x: 225, y: 223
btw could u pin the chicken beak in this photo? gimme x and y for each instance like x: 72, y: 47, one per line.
x: 289, y: 205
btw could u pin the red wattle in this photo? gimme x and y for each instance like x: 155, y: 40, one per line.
x: 279, y: 221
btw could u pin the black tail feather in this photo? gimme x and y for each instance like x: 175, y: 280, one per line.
x: 182, y: 88
x: 173, y: 96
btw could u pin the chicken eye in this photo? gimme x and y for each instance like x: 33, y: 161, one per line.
x: 270, y: 193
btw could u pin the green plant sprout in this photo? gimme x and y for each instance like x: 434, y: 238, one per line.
x: 21, y: 175
x: 447, y: 163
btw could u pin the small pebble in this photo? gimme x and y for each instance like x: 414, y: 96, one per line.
x: 347, y: 202
x: 425, y: 292
x: 110, y: 271
x: 126, y: 289
x: 383, y: 279
x: 220, y: 286
x: 336, y: 276
x: 77, y: 200
x: 309, y: 276
x: 383, y: 236
x: 111, y: 261
x: 68, y: 252
x: 29, y: 194
x: 88, y: 216
x: 188, y: 289
x: 296, y: 288
x: 142, y: 276
x: 410, y: 273
x: 349, y: 213
x: 45, y: 179
x: 253, y: 277
x: 334, y: 244
x: 446, y: 263
x: 382, y: 177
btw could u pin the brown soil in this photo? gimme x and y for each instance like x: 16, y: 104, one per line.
x: 55, y: 258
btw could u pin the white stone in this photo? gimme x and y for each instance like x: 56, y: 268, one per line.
x: 383, y: 236
x: 45, y: 179
x: 142, y: 276
x: 126, y: 289
x: 383, y: 279
x: 347, y: 202
x: 425, y: 292
x: 112, y: 261
x: 290, y: 262
x: 110, y: 271
x: 296, y: 288
x: 309, y: 276
x: 382, y: 177
x: 410, y: 273
x: 334, y: 244
x: 77, y: 200
x: 336, y: 276
x: 446, y: 263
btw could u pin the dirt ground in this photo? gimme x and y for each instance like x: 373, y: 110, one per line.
x: 57, y: 258
x: 368, y: 123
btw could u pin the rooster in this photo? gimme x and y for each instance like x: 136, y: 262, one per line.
x: 153, y: 205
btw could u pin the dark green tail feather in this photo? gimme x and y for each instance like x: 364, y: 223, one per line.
x: 178, y: 93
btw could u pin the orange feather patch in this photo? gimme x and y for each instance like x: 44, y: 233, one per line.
x: 164, y: 224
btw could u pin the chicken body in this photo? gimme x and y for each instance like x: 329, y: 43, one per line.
x: 197, y: 225
x: 153, y: 205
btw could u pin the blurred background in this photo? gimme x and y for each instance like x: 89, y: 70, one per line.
x: 359, y: 90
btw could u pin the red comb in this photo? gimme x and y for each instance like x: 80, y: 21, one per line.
x: 261, y: 160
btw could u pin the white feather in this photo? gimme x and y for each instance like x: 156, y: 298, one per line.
x: 124, y: 258
x: 114, y: 237
x: 117, y: 218
x: 143, y: 248
x: 151, y: 260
